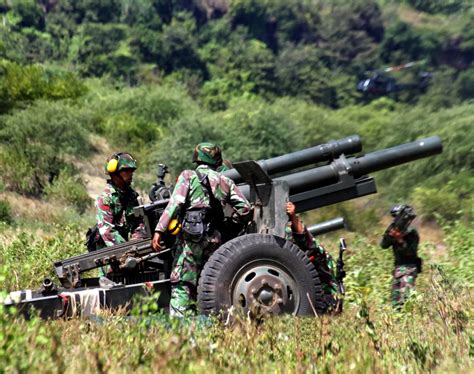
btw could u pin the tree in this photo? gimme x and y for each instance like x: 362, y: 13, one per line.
x: 53, y: 132
x: 301, y: 72
x: 350, y: 33
x: 100, y: 49
x: 402, y: 44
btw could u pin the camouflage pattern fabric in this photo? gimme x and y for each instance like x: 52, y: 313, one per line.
x: 188, y: 261
x: 190, y: 256
x: 208, y: 153
x: 405, y: 258
x: 115, y: 219
x: 120, y: 161
x: 404, y: 277
x: 189, y: 191
x: 322, y: 260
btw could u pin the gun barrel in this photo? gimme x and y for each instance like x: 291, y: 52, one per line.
x: 327, y: 226
x: 324, y: 152
x: 360, y: 166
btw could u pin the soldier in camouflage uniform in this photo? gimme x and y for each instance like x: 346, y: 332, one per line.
x: 297, y: 232
x: 198, y: 199
x: 115, y: 220
x: 407, y: 262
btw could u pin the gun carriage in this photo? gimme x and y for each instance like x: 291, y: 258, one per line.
x: 257, y: 268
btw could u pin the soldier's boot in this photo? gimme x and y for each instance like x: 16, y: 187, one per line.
x: 181, y: 303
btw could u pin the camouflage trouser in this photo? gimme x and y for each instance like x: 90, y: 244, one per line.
x: 189, y: 259
x: 404, y: 277
x: 326, y: 268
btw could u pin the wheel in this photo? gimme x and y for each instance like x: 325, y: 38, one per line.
x: 262, y: 273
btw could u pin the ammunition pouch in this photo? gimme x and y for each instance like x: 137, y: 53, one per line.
x: 419, y: 265
x: 195, y: 225
x: 93, y: 239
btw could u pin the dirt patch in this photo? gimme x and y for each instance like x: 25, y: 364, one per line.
x: 92, y: 169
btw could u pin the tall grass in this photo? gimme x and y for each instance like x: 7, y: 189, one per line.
x: 433, y: 332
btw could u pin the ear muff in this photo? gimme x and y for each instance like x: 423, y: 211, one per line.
x: 174, y: 227
x: 112, y: 165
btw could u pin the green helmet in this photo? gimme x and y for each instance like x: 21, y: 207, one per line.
x: 207, y: 153
x: 120, y: 161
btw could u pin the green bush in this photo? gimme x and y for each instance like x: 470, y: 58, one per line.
x: 69, y: 189
x: 38, y: 142
x: 126, y: 130
x: 435, y: 203
x: 5, y: 212
x: 21, y: 85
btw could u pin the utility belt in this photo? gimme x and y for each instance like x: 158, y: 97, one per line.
x: 417, y: 261
x: 197, y: 223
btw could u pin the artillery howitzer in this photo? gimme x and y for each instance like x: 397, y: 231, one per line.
x: 256, y: 269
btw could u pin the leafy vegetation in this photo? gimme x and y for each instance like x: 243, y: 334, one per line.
x: 433, y: 332
x: 81, y: 79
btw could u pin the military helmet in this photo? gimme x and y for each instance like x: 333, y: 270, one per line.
x: 208, y: 153
x: 120, y: 161
x: 396, y: 209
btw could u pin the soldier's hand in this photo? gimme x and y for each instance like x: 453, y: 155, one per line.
x: 290, y: 209
x: 396, y: 234
x: 156, y: 242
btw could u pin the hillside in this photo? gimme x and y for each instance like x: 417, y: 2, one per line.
x: 80, y: 80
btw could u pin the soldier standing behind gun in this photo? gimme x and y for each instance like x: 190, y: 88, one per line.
x: 199, y: 197
x: 115, y: 219
x: 297, y: 232
x: 404, y: 241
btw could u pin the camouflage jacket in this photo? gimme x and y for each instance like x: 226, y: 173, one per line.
x: 405, y: 252
x: 305, y: 241
x: 190, y: 194
x: 115, y: 219
x: 316, y: 253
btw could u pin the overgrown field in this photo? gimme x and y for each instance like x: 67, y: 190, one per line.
x: 434, y: 331
x: 80, y: 80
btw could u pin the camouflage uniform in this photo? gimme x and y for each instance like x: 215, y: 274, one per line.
x: 322, y: 261
x: 190, y: 194
x: 115, y: 219
x: 407, y: 265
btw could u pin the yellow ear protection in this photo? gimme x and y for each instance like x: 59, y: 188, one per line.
x: 112, y: 164
x: 174, y: 227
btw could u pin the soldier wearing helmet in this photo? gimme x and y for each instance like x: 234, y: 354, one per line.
x: 404, y: 241
x: 197, y: 201
x: 116, y: 222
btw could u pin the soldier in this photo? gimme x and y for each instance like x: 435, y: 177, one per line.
x: 198, y: 199
x: 115, y: 219
x: 407, y: 262
x: 226, y: 165
x: 297, y: 232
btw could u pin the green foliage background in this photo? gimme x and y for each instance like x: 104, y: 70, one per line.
x: 81, y: 79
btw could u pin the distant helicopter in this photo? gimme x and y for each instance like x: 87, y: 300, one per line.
x: 379, y: 83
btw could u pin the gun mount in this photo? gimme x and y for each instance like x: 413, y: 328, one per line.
x: 136, y: 268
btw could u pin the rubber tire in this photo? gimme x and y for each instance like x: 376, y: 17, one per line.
x: 214, y: 293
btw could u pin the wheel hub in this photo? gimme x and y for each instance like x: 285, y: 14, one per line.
x: 265, y: 289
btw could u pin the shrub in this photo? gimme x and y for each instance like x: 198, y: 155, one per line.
x: 5, y: 212
x: 38, y: 143
x: 434, y: 203
x: 69, y: 189
x: 21, y: 85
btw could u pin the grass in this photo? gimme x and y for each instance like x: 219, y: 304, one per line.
x: 434, y: 331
